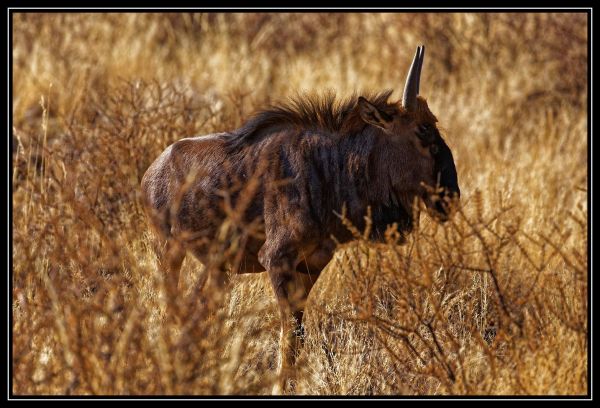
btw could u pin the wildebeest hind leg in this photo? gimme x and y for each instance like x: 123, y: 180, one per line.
x: 171, y: 259
x: 171, y: 256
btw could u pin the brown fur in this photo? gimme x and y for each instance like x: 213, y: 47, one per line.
x: 288, y: 171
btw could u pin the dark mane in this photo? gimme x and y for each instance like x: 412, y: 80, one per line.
x: 307, y: 111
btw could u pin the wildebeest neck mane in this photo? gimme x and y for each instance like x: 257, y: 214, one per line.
x: 323, y: 113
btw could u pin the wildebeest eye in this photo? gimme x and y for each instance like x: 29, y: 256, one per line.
x: 424, y: 133
x: 434, y: 149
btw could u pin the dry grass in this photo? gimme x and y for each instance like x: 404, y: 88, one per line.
x: 493, y: 302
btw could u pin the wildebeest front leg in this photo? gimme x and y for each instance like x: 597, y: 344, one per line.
x: 291, y: 296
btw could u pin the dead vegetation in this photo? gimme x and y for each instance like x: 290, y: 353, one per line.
x: 492, y: 302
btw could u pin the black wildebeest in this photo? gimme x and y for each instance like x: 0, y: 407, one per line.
x: 305, y: 161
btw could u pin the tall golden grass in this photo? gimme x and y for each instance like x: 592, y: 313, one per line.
x: 493, y: 302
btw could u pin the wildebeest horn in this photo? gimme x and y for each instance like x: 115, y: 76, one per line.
x: 411, y: 87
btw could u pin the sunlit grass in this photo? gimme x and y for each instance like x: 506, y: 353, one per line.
x: 492, y: 302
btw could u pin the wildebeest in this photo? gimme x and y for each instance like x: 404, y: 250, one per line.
x: 305, y: 161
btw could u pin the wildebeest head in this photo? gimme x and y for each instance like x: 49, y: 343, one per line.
x: 420, y: 162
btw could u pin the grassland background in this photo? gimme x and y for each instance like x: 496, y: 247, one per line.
x: 494, y: 302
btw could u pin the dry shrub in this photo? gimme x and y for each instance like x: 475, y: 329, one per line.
x: 492, y: 302
x: 459, y: 309
x: 104, y: 323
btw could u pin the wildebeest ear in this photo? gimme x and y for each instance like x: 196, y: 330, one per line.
x: 370, y: 114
